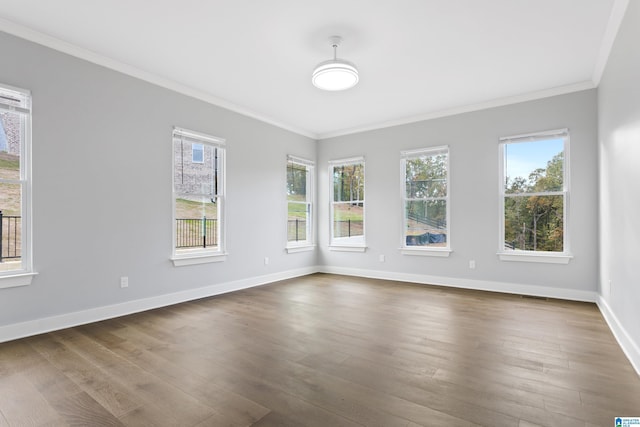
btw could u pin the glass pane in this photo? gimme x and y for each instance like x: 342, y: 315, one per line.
x: 297, y: 222
x: 426, y: 176
x: 197, y: 224
x: 296, y: 182
x: 348, y: 219
x: 348, y: 183
x: 534, y: 223
x: 11, y: 230
x: 197, y: 153
x: 533, y: 167
x: 196, y: 178
x: 426, y: 223
x: 11, y: 134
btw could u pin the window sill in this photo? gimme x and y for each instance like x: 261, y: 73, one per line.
x: 348, y: 248
x: 15, y: 280
x: 300, y: 248
x: 535, y: 257
x: 181, y: 261
x: 426, y: 252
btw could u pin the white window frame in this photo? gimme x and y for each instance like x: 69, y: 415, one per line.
x: 308, y: 244
x: 193, y: 152
x: 348, y: 244
x: 208, y: 255
x: 535, y: 256
x: 419, y: 250
x: 23, y: 276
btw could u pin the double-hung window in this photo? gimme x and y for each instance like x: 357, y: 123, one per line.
x: 347, y: 204
x: 199, y: 197
x: 299, y: 203
x: 15, y: 187
x: 534, y: 195
x: 425, y: 201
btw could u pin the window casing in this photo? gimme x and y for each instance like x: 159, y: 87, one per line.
x: 15, y: 187
x: 300, y: 184
x: 534, y: 196
x: 198, y: 198
x: 347, y: 208
x: 425, y: 201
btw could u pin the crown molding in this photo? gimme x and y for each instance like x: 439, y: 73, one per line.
x: 499, y: 102
x: 37, y: 37
x: 613, y: 25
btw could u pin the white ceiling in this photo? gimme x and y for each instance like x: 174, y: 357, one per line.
x: 417, y: 58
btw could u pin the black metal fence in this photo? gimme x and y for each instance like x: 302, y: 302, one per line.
x: 10, y: 237
x: 439, y: 224
x: 191, y: 233
x: 296, y: 230
x: 348, y: 228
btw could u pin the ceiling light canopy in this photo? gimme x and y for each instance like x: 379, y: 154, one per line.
x: 335, y: 74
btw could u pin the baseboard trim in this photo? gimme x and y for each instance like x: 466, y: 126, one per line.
x: 630, y: 348
x: 68, y: 320
x: 480, y: 285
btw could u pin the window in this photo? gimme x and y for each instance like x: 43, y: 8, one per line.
x: 425, y: 201
x: 197, y: 153
x: 15, y: 186
x: 198, y: 194
x: 534, y: 190
x: 299, y: 205
x: 347, y: 203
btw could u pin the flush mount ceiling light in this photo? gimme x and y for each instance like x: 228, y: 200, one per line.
x: 335, y: 74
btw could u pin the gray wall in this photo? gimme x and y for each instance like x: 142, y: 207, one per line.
x: 102, y: 189
x: 473, y: 143
x: 619, y: 147
x: 102, y: 152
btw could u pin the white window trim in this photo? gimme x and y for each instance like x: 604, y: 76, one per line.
x: 348, y: 244
x: 205, y: 255
x: 424, y: 251
x: 433, y: 252
x: 309, y: 243
x: 24, y: 276
x: 181, y: 261
x: 532, y: 256
x: 294, y: 249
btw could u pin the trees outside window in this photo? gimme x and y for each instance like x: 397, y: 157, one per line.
x: 534, y: 190
x: 299, y: 202
x: 425, y: 197
x: 347, y: 202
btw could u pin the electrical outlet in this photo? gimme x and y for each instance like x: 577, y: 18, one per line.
x: 124, y: 282
x: 266, y: 260
x: 472, y: 264
x: 381, y: 258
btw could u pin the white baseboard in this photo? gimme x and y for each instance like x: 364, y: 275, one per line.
x: 481, y: 285
x: 630, y: 348
x: 68, y: 320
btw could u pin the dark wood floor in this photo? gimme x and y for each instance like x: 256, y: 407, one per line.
x: 327, y: 350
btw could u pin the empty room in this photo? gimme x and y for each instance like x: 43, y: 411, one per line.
x: 340, y: 213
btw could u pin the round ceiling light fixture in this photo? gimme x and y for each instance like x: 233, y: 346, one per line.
x: 335, y: 74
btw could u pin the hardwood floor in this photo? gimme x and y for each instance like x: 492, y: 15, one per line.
x: 327, y: 350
